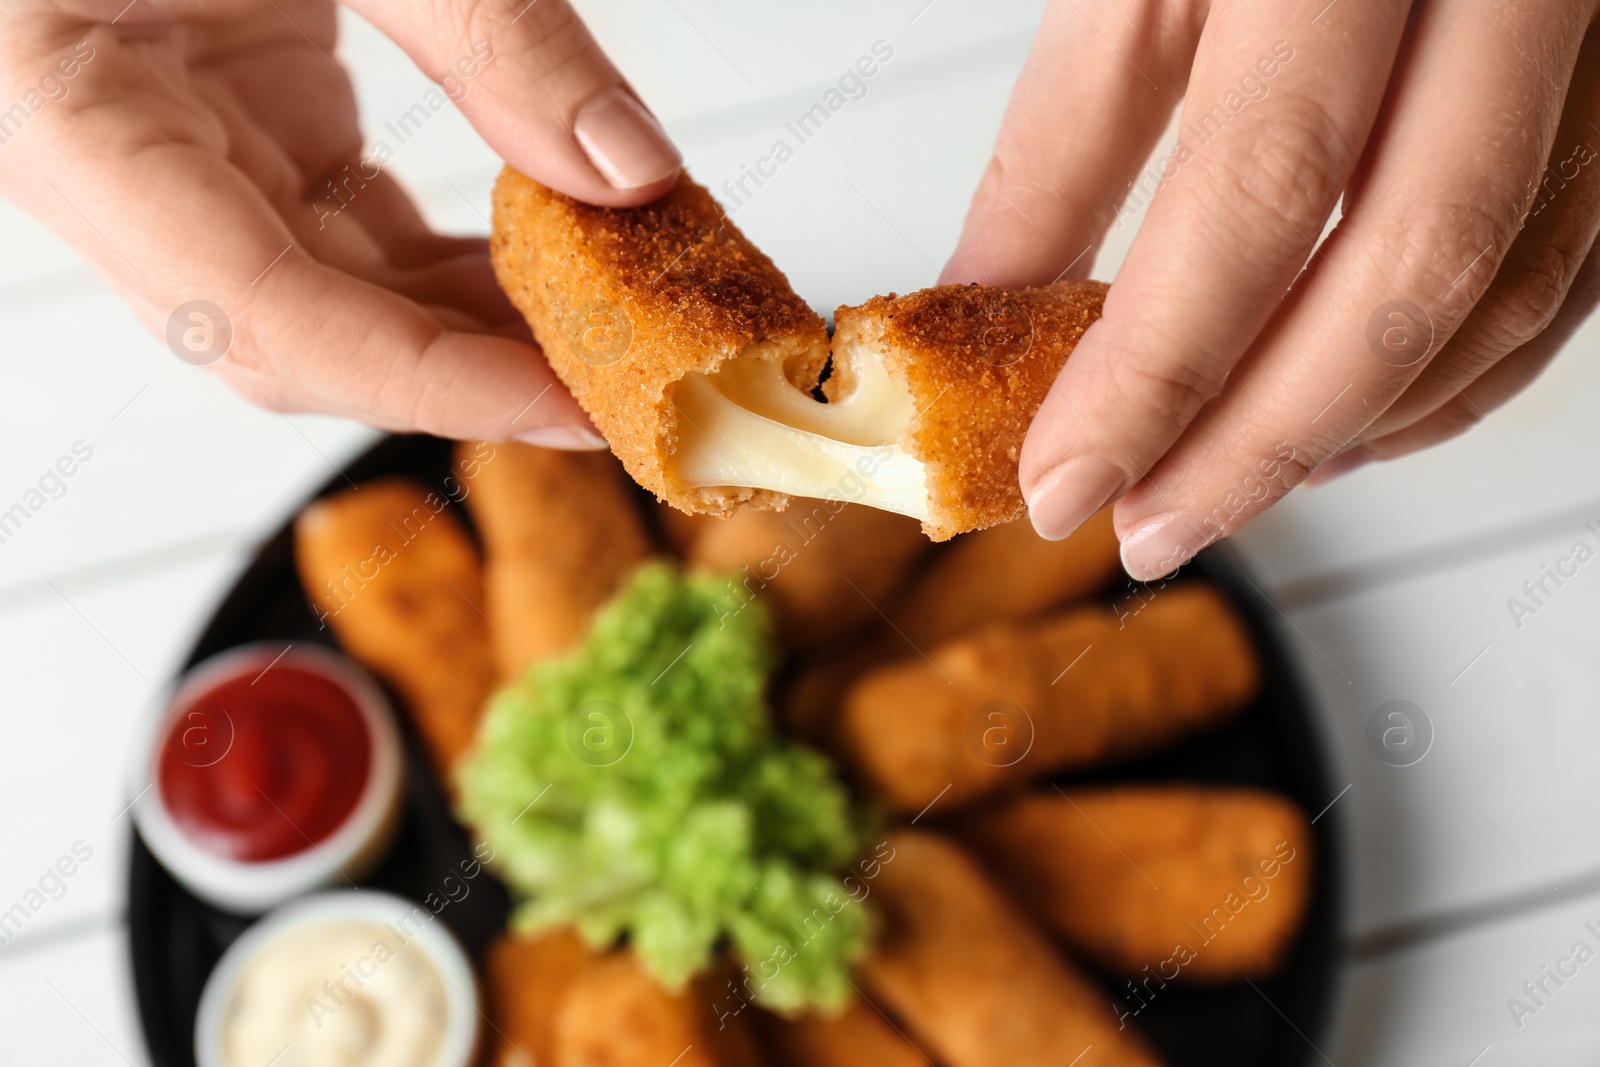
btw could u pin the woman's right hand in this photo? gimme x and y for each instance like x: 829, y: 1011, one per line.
x: 205, y: 156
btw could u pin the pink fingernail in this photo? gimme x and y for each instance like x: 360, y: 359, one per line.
x: 1068, y: 495
x: 624, y: 141
x: 566, y: 438
x: 1163, y: 544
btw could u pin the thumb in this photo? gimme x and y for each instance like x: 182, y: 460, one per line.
x: 536, y: 85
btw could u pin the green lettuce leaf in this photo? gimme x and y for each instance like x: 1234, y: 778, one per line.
x: 636, y: 787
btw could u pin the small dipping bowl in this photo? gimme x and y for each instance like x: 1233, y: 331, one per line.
x: 267, y: 771
x: 352, y: 977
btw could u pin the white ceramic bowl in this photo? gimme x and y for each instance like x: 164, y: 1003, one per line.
x: 249, y: 888
x: 406, y: 921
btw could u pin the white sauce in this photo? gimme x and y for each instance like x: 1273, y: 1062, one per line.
x: 339, y: 993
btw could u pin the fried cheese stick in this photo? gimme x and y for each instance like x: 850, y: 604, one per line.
x: 560, y: 533
x: 1206, y: 883
x: 1005, y: 572
x: 678, y: 529
x: 823, y: 566
x: 616, y: 1015
x: 394, y: 574
x: 810, y: 703
x: 528, y: 977
x: 556, y: 1002
x: 857, y: 1037
x: 1015, y: 701
x: 699, y: 364
x: 972, y: 979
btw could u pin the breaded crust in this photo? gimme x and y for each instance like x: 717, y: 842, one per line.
x: 625, y: 302
x: 560, y: 535
x: 1014, y: 701
x: 978, y: 362
x: 529, y: 976
x: 1150, y: 877
x: 821, y: 566
x: 392, y: 571
x: 972, y: 979
x: 1005, y: 572
x: 856, y: 1037
x: 615, y: 1014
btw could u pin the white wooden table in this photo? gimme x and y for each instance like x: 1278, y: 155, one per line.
x: 1469, y: 871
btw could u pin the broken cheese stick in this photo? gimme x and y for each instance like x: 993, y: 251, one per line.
x: 626, y: 302
x: 955, y: 374
x: 972, y: 980
x: 1148, y: 879
x: 1016, y: 701
x: 395, y: 576
x: 560, y: 535
x: 697, y: 361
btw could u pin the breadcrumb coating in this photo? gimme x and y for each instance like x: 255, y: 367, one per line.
x: 978, y: 362
x: 626, y: 301
x: 1189, y: 861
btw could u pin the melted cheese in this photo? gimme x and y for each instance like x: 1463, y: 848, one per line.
x: 746, y: 425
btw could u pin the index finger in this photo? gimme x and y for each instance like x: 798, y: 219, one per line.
x: 1266, y: 145
x: 187, y: 233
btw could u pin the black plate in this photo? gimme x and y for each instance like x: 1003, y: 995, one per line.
x: 175, y: 940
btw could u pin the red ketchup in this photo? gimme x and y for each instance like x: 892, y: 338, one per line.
x: 265, y: 765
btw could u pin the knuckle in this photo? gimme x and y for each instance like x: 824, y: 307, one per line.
x: 259, y: 365
x: 1168, y: 388
x: 460, y: 22
x: 552, y: 27
x: 424, y: 414
x: 421, y: 398
x: 1298, y: 465
x: 1296, y: 451
x: 1431, y: 252
x: 1463, y: 361
x: 1314, y: 446
x: 1020, y: 189
x: 1525, y: 296
x: 1297, y: 166
x: 1299, y: 451
x: 1450, y: 419
x: 1001, y: 187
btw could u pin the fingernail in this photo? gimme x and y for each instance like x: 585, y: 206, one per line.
x: 624, y: 141
x: 1068, y: 495
x: 566, y: 438
x: 1163, y: 544
x: 1339, y: 465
